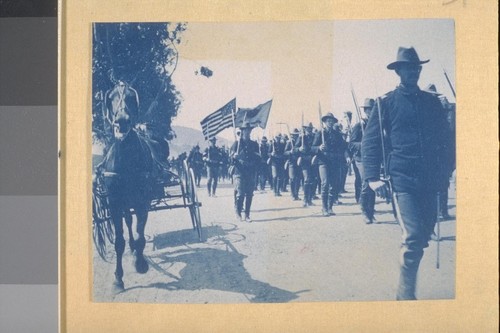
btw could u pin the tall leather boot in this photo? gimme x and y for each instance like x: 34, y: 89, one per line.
x: 324, y: 202
x: 239, y: 205
x: 248, y: 205
x: 408, y: 276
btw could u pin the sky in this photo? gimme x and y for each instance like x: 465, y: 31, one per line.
x: 363, y: 49
x: 301, y: 65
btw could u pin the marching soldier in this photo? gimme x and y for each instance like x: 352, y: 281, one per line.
x: 213, y: 160
x: 344, y: 165
x: 304, y: 162
x: 329, y: 147
x: 195, y: 161
x: 264, y: 168
x: 246, y: 158
x: 292, y: 153
x: 450, y: 116
x: 363, y: 193
x: 285, y: 179
x: 277, y: 161
x: 414, y: 123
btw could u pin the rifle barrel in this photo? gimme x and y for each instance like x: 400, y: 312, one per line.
x: 449, y: 83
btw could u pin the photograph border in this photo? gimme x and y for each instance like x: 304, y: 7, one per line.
x: 475, y: 307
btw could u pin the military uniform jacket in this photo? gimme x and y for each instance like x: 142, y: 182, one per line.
x: 335, y: 146
x: 248, y: 157
x: 195, y: 159
x: 355, y: 141
x: 213, y: 157
x: 264, y: 151
x: 416, y: 137
x: 291, y: 150
x: 278, y: 148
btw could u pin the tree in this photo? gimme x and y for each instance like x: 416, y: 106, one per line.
x: 145, y: 56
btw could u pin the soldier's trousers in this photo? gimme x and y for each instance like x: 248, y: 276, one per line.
x: 213, y: 178
x: 294, y: 176
x: 330, y: 176
x: 263, y: 176
x: 366, y: 194
x: 443, y: 199
x: 244, y: 187
x: 308, y: 183
x: 357, y: 179
x: 417, y: 217
x: 277, y: 173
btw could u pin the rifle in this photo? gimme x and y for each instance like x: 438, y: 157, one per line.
x: 438, y: 228
x: 449, y: 82
x: 348, y: 122
x: 273, y: 150
x: 386, y: 178
x: 358, y: 111
x: 321, y: 124
x: 299, y: 160
x: 315, y: 157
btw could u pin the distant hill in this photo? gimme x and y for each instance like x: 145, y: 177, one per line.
x: 187, y: 137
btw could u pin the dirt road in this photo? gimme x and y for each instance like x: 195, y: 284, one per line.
x: 287, y: 254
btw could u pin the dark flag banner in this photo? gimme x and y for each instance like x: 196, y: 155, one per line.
x: 221, y: 119
x: 257, y: 116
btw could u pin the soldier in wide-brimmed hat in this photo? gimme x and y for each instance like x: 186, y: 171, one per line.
x: 292, y: 155
x: 304, y: 162
x: 417, y: 129
x: 362, y: 192
x: 213, y: 159
x: 329, y: 147
x: 245, y: 157
x: 277, y: 163
x: 264, y: 169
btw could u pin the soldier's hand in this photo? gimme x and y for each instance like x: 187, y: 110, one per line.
x: 380, y: 188
x: 301, y: 149
x: 322, y: 147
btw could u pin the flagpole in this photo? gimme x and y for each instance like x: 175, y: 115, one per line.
x: 241, y: 134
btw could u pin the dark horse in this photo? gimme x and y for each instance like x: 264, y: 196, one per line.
x: 128, y: 172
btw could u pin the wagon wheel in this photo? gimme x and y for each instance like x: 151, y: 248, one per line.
x: 194, y: 207
x: 102, y: 226
x: 187, y: 186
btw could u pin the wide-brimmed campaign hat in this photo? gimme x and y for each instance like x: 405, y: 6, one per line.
x: 264, y: 139
x: 295, y: 132
x: 369, y: 103
x: 406, y: 56
x: 329, y: 115
x: 310, y: 125
x: 212, y: 139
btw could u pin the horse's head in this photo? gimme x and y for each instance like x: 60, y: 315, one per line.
x: 122, y: 103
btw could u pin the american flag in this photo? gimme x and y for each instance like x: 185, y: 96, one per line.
x: 221, y: 119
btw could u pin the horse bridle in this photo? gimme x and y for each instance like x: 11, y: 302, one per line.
x: 121, y: 107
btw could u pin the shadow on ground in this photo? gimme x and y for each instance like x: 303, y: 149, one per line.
x: 214, y: 269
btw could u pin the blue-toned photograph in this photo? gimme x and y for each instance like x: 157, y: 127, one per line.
x: 273, y: 162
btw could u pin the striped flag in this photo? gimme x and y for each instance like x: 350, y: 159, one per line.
x: 221, y: 119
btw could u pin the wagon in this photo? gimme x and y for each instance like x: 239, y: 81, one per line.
x: 170, y: 191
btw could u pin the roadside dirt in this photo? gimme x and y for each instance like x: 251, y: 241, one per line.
x: 287, y: 254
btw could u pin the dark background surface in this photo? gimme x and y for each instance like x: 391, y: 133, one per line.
x: 28, y: 166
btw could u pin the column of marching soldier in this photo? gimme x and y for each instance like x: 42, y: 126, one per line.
x: 402, y: 149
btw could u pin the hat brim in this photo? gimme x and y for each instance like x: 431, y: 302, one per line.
x: 395, y: 64
x: 324, y: 118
